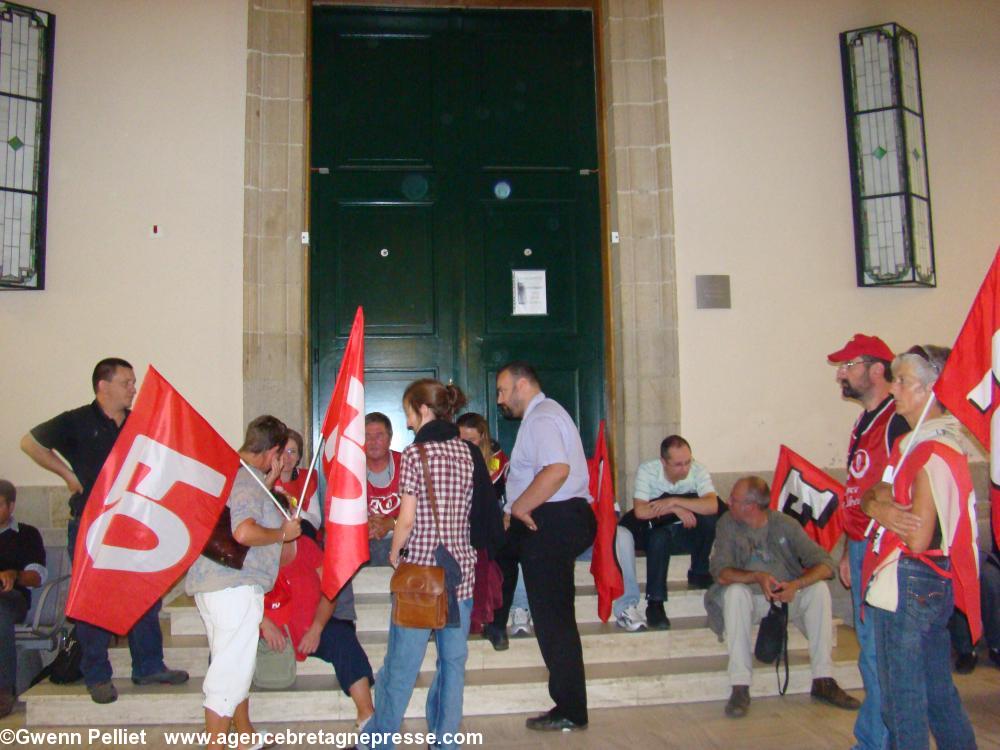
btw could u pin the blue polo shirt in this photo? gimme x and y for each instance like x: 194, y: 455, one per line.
x: 548, y: 435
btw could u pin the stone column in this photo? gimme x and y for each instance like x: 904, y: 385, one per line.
x: 646, y: 396
x: 275, y: 365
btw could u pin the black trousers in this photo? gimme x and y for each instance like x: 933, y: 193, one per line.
x: 548, y: 558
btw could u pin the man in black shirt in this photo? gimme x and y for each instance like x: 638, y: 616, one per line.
x: 74, y: 446
x: 22, y: 565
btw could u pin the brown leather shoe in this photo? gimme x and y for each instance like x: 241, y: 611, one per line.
x: 827, y: 690
x: 739, y: 702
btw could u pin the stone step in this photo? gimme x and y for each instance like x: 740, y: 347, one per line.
x: 487, y: 691
x: 375, y: 580
x: 373, y: 609
x: 602, y: 643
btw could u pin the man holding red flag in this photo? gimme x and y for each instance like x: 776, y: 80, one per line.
x: 230, y: 600
x: 863, y: 373
x: 84, y: 437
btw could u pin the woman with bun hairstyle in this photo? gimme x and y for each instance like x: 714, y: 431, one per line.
x: 488, y: 593
x: 457, y: 475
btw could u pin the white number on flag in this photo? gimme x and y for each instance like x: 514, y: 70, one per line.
x: 166, y: 468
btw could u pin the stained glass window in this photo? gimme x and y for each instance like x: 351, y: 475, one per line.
x: 885, y: 133
x: 26, y: 44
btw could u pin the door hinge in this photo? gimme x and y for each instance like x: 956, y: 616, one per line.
x: 586, y: 172
x: 320, y: 170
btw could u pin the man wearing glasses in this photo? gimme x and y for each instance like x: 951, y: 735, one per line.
x: 763, y: 556
x: 863, y: 373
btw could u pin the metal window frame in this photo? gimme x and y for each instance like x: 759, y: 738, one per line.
x: 42, y: 167
x: 913, y: 275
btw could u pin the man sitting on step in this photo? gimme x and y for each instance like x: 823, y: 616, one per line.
x: 383, y: 486
x: 22, y: 566
x: 675, y: 510
x: 763, y: 556
x: 317, y: 626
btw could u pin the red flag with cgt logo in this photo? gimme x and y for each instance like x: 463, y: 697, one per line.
x: 346, y: 497
x: 809, y: 495
x: 152, y: 508
x: 969, y: 387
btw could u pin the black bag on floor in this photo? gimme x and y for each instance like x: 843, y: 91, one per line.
x: 772, y: 640
x: 65, y: 668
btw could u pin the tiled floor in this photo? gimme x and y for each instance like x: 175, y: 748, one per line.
x: 790, y: 723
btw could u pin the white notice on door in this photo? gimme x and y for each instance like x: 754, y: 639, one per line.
x: 529, y: 292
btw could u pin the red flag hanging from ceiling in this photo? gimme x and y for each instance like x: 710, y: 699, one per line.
x: 346, y: 496
x: 152, y: 508
x: 809, y: 495
x: 968, y: 385
x: 603, y: 565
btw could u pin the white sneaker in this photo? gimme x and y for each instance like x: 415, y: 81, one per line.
x: 631, y: 619
x: 520, y: 622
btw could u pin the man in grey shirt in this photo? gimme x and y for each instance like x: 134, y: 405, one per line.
x: 763, y: 556
x: 551, y: 524
x: 230, y: 601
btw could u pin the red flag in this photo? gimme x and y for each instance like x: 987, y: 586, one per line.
x: 968, y: 385
x: 603, y: 565
x: 346, y: 497
x: 151, y: 510
x: 809, y: 495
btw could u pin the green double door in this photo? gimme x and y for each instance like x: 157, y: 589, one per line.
x: 454, y: 195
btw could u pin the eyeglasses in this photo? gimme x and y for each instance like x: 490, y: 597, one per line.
x: 846, y: 365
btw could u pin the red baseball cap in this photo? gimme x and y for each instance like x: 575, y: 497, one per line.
x: 861, y: 345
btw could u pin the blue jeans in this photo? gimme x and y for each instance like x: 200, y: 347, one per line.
x: 13, y: 609
x: 395, y: 681
x: 914, y: 664
x: 625, y: 552
x: 662, y: 541
x: 869, y: 729
x: 145, y: 639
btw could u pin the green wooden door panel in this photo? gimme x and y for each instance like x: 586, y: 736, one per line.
x: 416, y: 118
x: 530, y: 237
x: 525, y: 120
x: 378, y: 247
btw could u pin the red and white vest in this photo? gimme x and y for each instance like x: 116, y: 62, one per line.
x: 384, y: 501
x: 954, y: 498
x: 871, y: 455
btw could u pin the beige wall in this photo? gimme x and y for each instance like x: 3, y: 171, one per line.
x: 147, y: 128
x: 762, y: 193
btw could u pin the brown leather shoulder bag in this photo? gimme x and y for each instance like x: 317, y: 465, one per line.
x: 419, y: 598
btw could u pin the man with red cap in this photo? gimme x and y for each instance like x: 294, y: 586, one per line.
x: 863, y: 373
